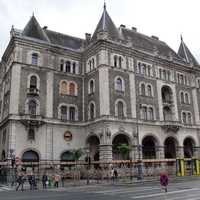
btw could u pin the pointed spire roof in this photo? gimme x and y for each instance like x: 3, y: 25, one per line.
x: 33, y: 29
x: 185, y: 53
x: 106, y: 25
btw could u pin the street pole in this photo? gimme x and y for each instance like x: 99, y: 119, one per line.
x: 88, y: 162
x: 139, y: 148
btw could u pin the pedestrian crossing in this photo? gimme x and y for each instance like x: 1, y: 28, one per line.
x: 5, y: 188
x: 155, y: 193
x: 139, y: 193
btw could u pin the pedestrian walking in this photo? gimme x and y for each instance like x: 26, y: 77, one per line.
x: 56, y: 180
x: 112, y: 175
x: 63, y: 179
x: 30, y: 181
x: 34, y: 182
x: 115, y: 174
x: 20, y: 181
x: 44, y: 181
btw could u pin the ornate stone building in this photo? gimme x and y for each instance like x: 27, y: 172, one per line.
x: 59, y: 92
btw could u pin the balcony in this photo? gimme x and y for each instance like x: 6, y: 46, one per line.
x: 32, y: 120
x: 167, y: 102
x: 33, y: 91
x: 64, y: 117
x: 170, y: 126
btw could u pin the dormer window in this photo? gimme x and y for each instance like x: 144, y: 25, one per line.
x: 115, y: 61
x: 62, y: 65
x: 74, y: 68
x: 34, y: 59
x: 120, y: 62
x: 68, y: 66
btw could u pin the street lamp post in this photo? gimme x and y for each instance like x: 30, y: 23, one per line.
x: 139, y: 149
x: 88, y: 162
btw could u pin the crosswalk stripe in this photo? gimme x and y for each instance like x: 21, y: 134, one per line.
x: 162, y: 194
x: 121, y: 191
x: 188, y: 196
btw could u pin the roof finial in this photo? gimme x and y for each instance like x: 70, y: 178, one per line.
x: 104, y: 6
x: 181, y: 38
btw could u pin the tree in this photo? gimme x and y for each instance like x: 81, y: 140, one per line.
x: 77, y: 153
x: 124, y: 150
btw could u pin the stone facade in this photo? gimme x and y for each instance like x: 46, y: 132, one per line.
x: 59, y: 93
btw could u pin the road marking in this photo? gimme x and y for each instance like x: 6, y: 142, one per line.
x: 185, y: 196
x: 124, y: 190
x: 161, y: 194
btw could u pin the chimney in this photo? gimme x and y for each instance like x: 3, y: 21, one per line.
x: 87, y: 37
x: 45, y: 27
x: 134, y: 29
x: 122, y: 26
x: 155, y: 37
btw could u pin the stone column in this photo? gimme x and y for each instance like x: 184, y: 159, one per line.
x: 105, y: 147
x: 180, y: 152
x: 160, y: 154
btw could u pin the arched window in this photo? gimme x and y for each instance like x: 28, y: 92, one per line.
x: 120, y: 108
x: 184, y: 117
x: 63, y: 88
x: 164, y: 75
x: 63, y: 112
x: 143, y: 112
x: 182, y: 97
x: 120, y: 62
x: 68, y: 66
x: 144, y: 70
x: 115, y: 61
x: 142, y: 90
x: 149, y: 91
x: 93, y: 64
x: 90, y: 65
x: 61, y: 65
x: 151, y: 116
x: 139, y: 67
x: 160, y: 73
x: 91, y: 87
x: 32, y: 107
x: 34, y: 60
x: 189, y: 118
x: 187, y: 98
x: 31, y: 134
x: 119, y: 84
x: 149, y: 70
x: 72, y: 113
x: 74, y: 68
x: 33, y: 82
x: 72, y: 89
x: 92, y: 111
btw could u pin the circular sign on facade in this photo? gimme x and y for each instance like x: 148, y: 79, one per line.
x: 67, y: 136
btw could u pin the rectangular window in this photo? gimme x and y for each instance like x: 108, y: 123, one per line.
x: 34, y: 59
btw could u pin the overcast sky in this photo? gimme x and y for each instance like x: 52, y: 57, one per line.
x: 166, y: 19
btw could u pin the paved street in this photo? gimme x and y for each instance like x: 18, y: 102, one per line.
x: 183, y: 190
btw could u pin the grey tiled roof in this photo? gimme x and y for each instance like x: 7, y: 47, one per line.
x: 33, y: 30
x: 185, y: 53
x: 143, y: 42
x: 64, y: 40
x: 106, y: 24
